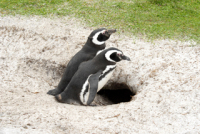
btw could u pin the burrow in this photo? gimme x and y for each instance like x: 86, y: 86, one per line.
x: 112, y: 93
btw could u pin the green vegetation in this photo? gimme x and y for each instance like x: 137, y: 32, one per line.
x: 179, y: 19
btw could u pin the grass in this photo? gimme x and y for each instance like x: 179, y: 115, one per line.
x: 174, y: 19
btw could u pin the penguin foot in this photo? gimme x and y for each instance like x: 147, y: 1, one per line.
x: 93, y: 105
x: 58, y: 98
x: 53, y: 92
x: 61, y: 98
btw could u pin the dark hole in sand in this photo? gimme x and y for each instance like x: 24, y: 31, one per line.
x: 115, y: 93
x: 112, y: 93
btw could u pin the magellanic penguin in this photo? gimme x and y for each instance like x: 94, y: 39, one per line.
x: 90, y: 77
x: 95, y: 43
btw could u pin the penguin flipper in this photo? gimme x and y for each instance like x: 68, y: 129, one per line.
x: 93, y: 83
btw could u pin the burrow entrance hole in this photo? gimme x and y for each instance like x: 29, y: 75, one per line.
x: 114, y: 93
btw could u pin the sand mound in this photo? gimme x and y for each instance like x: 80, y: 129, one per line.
x: 34, y: 51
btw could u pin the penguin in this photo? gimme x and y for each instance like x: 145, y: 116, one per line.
x: 90, y: 77
x: 94, y: 44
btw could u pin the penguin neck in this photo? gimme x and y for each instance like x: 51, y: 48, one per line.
x: 89, y: 45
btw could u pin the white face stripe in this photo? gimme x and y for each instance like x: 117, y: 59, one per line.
x: 107, y: 55
x: 95, y: 41
x: 84, y: 98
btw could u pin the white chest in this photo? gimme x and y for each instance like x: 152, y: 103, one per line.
x: 105, y: 76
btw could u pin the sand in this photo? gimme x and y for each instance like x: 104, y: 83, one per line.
x: 34, y: 51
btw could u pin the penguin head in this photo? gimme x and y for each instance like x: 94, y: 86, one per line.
x: 99, y: 36
x: 115, y: 55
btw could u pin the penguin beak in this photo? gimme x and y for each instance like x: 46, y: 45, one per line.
x: 124, y: 57
x: 109, y: 32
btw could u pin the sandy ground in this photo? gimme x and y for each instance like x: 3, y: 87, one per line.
x: 33, y: 52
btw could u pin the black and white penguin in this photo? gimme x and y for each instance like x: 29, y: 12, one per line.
x: 94, y: 44
x: 90, y: 77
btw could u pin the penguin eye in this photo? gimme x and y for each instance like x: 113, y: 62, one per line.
x: 104, y: 32
x: 118, y: 54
